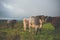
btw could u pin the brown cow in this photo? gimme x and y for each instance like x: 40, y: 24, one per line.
x: 11, y: 23
x: 55, y: 21
x: 3, y: 23
x: 7, y: 23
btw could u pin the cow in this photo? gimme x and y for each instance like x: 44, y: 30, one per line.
x: 11, y: 23
x: 55, y: 21
x: 32, y: 22
x: 7, y: 23
x: 39, y: 20
x: 3, y: 23
x: 28, y: 22
x: 35, y: 22
x: 25, y: 23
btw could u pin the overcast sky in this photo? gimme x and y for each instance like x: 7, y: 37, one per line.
x: 25, y: 8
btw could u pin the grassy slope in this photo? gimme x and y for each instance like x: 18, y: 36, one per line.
x: 18, y: 33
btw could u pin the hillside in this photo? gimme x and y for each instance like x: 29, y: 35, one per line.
x: 17, y: 33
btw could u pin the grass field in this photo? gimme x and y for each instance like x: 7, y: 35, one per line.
x: 18, y: 33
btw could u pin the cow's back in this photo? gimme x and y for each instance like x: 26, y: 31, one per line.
x: 56, y: 22
x: 37, y: 20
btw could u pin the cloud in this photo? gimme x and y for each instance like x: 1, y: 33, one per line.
x: 13, y: 11
x: 13, y: 8
x: 23, y: 8
x: 8, y: 6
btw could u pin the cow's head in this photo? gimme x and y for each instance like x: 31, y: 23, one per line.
x: 43, y: 18
x: 48, y: 19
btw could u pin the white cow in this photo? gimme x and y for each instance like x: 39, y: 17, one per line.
x: 28, y: 22
x: 34, y: 22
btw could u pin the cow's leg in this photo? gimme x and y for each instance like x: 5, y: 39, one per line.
x: 40, y: 28
x: 36, y: 29
x: 41, y: 24
x: 24, y: 26
x: 29, y: 26
x: 56, y: 29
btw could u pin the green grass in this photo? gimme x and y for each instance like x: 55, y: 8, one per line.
x: 19, y: 34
